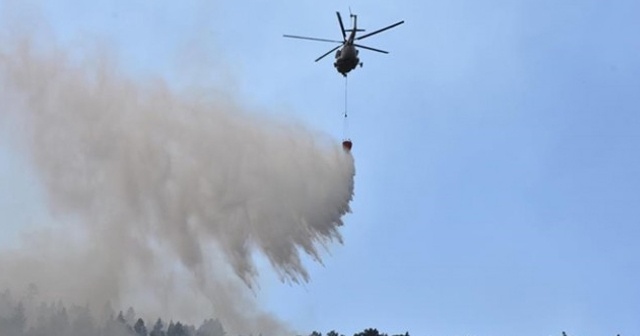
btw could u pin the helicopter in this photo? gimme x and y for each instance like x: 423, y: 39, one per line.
x: 346, y: 58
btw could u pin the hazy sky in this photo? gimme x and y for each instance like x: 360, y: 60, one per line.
x: 496, y: 150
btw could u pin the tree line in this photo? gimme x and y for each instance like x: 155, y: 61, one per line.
x: 54, y: 319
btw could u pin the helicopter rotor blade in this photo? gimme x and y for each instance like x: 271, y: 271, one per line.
x: 369, y: 48
x: 379, y: 30
x: 328, y: 52
x: 312, y: 38
x: 344, y: 34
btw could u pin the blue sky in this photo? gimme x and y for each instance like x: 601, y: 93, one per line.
x: 497, y: 184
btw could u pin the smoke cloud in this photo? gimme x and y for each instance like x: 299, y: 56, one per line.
x: 162, y: 199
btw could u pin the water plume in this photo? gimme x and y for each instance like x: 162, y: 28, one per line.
x: 160, y: 196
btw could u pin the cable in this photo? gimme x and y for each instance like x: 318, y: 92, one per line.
x: 345, y: 96
x: 346, y: 121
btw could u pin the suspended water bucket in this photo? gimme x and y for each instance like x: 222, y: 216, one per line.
x: 346, y: 145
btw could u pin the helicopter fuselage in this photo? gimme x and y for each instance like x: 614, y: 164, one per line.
x: 346, y: 59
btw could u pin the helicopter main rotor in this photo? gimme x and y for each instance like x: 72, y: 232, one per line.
x: 345, y: 40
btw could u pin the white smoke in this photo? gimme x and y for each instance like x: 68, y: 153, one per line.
x: 162, y: 197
